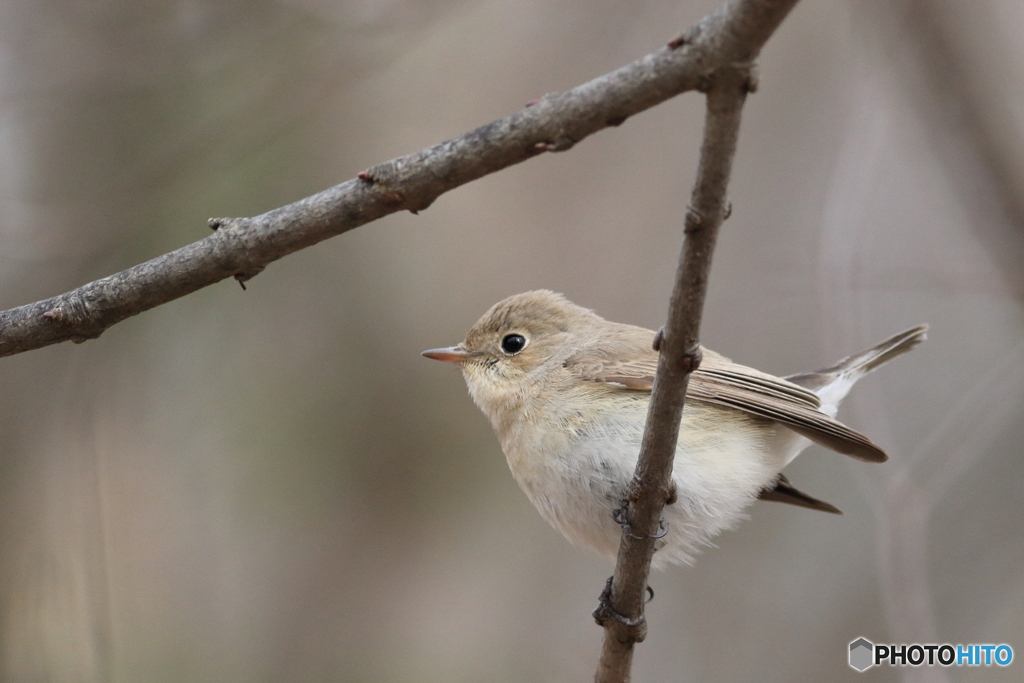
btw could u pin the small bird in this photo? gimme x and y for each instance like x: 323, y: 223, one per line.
x: 567, y: 393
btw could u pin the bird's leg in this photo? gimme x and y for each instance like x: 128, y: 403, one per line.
x: 604, y: 610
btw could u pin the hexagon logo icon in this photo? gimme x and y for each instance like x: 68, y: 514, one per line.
x: 862, y: 654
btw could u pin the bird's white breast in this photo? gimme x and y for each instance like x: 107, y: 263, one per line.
x: 577, y: 468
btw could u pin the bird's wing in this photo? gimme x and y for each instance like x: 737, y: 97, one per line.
x: 718, y: 380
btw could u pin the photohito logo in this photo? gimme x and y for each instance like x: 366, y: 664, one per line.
x: 864, y: 654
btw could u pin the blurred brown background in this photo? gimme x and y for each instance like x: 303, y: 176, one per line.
x: 273, y: 485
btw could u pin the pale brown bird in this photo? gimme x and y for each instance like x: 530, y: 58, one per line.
x: 567, y: 394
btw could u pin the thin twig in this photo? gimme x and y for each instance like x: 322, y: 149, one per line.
x: 680, y: 355
x: 242, y: 247
x: 622, y: 615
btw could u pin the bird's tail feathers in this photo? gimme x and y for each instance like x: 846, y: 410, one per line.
x: 832, y: 383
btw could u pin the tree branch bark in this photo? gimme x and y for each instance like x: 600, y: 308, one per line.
x: 651, y: 487
x: 242, y: 247
x: 622, y: 609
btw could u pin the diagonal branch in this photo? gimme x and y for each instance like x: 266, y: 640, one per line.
x: 242, y: 247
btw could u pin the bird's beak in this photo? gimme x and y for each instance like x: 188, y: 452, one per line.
x: 451, y: 354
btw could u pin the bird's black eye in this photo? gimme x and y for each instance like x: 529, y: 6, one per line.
x: 513, y: 344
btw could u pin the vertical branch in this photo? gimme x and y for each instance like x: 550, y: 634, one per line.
x: 622, y: 608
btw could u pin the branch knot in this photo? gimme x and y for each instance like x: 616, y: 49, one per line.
x: 691, y: 360
x: 694, y: 220
x: 560, y: 143
x: 74, y: 313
